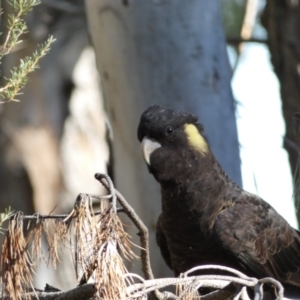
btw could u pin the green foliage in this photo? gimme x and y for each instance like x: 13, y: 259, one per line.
x: 233, y: 12
x: 5, y: 216
x: 16, y: 28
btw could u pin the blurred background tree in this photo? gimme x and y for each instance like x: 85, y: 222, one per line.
x: 156, y: 51
x: 53, y: 140
x: 162, y: 52
x: 282, y: 22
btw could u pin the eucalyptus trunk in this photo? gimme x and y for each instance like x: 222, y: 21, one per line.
x: 171, y: 53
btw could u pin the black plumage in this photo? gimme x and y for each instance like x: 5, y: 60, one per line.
x: 206, y: 218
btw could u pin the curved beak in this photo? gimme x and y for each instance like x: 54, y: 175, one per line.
x: 148, y: 146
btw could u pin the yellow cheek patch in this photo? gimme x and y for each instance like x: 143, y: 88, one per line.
x: 195, y: 139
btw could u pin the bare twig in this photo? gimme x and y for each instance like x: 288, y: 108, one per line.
x: 99, y: 240
x: 247, y: 27
x: 83, y: 292
x: 225, y: 285
x: 249, y: 19
x: 239, y: 40
x: 143, y: 230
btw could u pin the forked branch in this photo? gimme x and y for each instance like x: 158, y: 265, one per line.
x: 99, y: 239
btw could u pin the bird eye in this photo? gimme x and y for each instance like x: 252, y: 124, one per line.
x: 169, y: 129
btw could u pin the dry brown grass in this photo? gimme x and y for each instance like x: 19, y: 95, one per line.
x: 99, y: 245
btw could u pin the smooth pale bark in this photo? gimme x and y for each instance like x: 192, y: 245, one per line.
x: 162, y: 52
x: 53, y: 140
